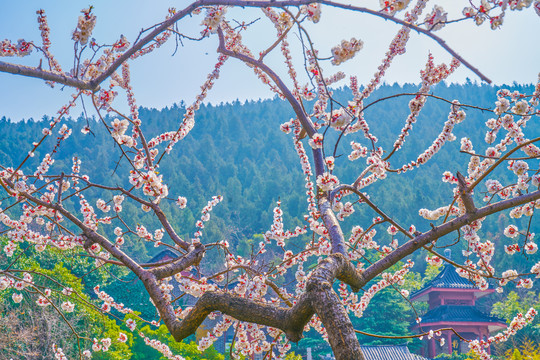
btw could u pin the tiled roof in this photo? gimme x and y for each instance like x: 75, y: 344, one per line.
x: 458, y: 313
x: 163, y: 255
x: 388, y: 352
x: 448, y: 278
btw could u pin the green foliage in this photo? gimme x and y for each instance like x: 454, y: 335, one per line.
x: 509, y: 307
x: 293, y: 356
x: 46, y: 325
x: 515, y: 303
x: 430, y: 273
x: 189, y: 351
x: 527, y: 351
x: 454, y: 356
x: 239, y: 164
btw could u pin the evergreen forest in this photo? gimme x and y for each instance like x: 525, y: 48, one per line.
x: 237, y: 150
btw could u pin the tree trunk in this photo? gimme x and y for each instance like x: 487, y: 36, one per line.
x: 336, y: 321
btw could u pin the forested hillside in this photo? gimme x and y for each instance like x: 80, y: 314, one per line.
x: 237, y: 150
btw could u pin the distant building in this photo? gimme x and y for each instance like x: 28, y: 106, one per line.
x: 222, y: 344
x: 452, y: 304
x: 389, y: 352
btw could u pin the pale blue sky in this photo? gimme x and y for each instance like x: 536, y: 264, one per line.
x: 160, y: 79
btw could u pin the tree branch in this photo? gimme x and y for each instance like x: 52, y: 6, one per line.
x: 46, y: 75
x: 414, y: 244
x: 465, y: 194
x: 193, y: 257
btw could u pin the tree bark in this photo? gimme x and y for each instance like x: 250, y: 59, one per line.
x: 336, y: 321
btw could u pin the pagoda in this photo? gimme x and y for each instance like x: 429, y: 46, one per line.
x: 452, y: 304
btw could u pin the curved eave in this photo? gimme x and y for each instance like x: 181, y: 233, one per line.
x: 492, y: 326
x: 422, y: 295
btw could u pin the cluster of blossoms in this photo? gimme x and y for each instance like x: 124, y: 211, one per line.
x: 437, y: 213
x: 455, y: 117
x: 104, y: 99
x: 44, y: 166
x: 181, y: 202
x: 46, y: 41
x: 251, y: 339
x: 281, y: 20
x: 358, y: 307
x: 518, y: 322
x: 358, y: 151
x: 44, y: 299
x: 339, y: 119
x: 392, y: 6
x: 356, y: 108
x: 90, y: 217
x: 436, y: 19
x: 343, y: 210
x: 151, y: 183
x: 327, y: 181
x: 161, y: 347
x: 219, y: 329
x: 434, y: 261
x: 101, y: 345
x: 22, y: 48
x: 89, y: 70
x: 18, y: 285
x: 158, y: 40
x: 330, y: 162
x: 495, y: 187
x: 64, y: 132
x: 59, y: 353
x: 511, y: 249
x: 316, y: 142
x: 527, y: 209
x: 166, y: 288
x: 85, y: 25
x: 525, y: 283
x: 313, y: 12
x: 277, y: 232
x: 133, y: 108
x: 320, y: 105
x: 117, y: 201
x: 109, y: 303
x: 214, y: 17
x: 306, y: 168
x: 476, y: 277
x: 363, y: 240
x: 482, y: 12
x: 431, y: 75
x: 507, y: 276
x: 118, y: 130
x: 346, y: 50
x: 68, y: 306
x: 194, y: 287
x: 205, y: 216
x: 131, y: 324
x: 143, y: 233
x: 189, y: 121
x: 397, y: 47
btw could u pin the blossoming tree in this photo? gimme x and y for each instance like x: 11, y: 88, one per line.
x: 44, y: 208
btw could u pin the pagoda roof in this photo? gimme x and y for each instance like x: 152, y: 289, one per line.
x: 163, y: 256
x: 388, y: 352
x: 448, y: 278
x: 460, y: 314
